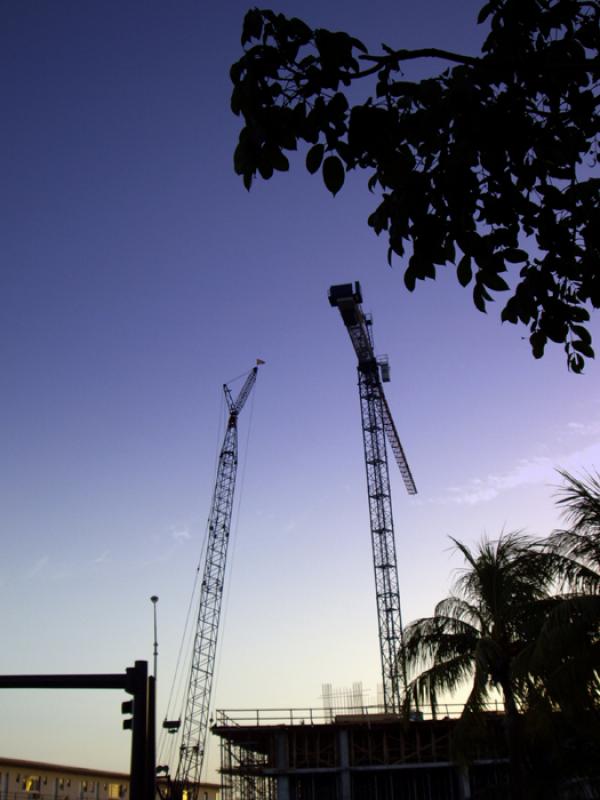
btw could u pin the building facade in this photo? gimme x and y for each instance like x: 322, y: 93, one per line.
x: 37, y: 780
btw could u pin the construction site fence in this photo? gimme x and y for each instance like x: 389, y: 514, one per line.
x: 322, y: 716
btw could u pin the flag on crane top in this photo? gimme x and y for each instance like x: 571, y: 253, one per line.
x: 259, y: 361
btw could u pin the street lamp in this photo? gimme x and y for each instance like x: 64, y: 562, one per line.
x: 154, y: 601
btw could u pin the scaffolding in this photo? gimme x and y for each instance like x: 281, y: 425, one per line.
x: 243, y: 772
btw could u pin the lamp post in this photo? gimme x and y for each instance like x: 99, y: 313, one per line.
x: 154, y: 601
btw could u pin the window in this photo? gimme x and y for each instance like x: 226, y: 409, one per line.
x: 114, y: 791
x: 31, y: 785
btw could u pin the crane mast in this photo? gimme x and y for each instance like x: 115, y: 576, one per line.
x: 377, y: 425
x: 195, y: 721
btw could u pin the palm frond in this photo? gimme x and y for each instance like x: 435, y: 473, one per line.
x: 576, y: 559
x: 436, y: 640
x: 439, y: 678
x: 579, y: 500
x: 455, y: 607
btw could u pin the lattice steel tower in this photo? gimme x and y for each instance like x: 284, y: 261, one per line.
x: 195, y: 722
x: 377, y: 425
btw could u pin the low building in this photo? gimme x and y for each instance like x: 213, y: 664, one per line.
x: 37, y: 780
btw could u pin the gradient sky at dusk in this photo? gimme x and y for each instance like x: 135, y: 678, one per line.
x: 137, y: 275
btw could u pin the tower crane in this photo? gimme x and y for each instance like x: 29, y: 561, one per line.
x: 195, y: 720
x: 377, y: 426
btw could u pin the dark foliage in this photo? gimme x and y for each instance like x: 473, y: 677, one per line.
x: 490, y: 166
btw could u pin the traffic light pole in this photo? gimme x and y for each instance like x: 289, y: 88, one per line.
x: 136, y: 682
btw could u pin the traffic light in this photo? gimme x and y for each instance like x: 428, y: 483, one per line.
x: 127, y: 708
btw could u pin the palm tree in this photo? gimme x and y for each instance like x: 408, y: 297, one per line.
x: 579, y: 544
x: 496, y: 609
x: 566, y: 656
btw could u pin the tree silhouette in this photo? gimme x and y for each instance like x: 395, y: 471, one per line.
x: 523, y: 619
x: 567, y: 653
x: 491, y: 165
x: 495, y: 611
x: 579, y: 544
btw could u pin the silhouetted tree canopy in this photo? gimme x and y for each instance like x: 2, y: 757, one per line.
x: 491, y: 165
x: 523, y: 618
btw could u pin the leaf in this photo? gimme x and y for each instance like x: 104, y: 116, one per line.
x: 279, y: 161
x: 583, y: 333
x: 538, y: 342
x: 359, y: 45
x: 579, y: 314
x: 583, y: 347
x: 265, y: 168
x: 479, y: 298
x: 576, y: 363
x: 337, y: 106
x: 236, y: 100
x: 240, y: 161
x: 253, y: 25
x: 246, y: 155
x: 235, y: 73
x: 509, y: 312
x: 299, y: 30
x: 378, y: 220
x: 265, y: 163
x: 485, y: 12
x: 494, y: 282
x: 314, y: 157
x: 464, y: 271
x: 514, y: 255
x: 333, y: 174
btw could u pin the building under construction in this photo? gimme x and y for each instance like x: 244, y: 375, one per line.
x: 322, y: 755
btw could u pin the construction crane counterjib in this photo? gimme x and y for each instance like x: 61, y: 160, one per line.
x: 347, y: 299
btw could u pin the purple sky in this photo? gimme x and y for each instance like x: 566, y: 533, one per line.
x: 137, y: 276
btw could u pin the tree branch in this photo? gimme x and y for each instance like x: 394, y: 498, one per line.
x: 425, y: 52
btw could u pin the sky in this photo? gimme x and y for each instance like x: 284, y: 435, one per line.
x: 138, y: 276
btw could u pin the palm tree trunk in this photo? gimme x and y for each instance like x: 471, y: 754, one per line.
x: 513, y: 741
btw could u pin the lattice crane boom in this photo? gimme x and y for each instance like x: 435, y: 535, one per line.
x: 195, y: 721
x: 397, y: 449
x: 377, y: 426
